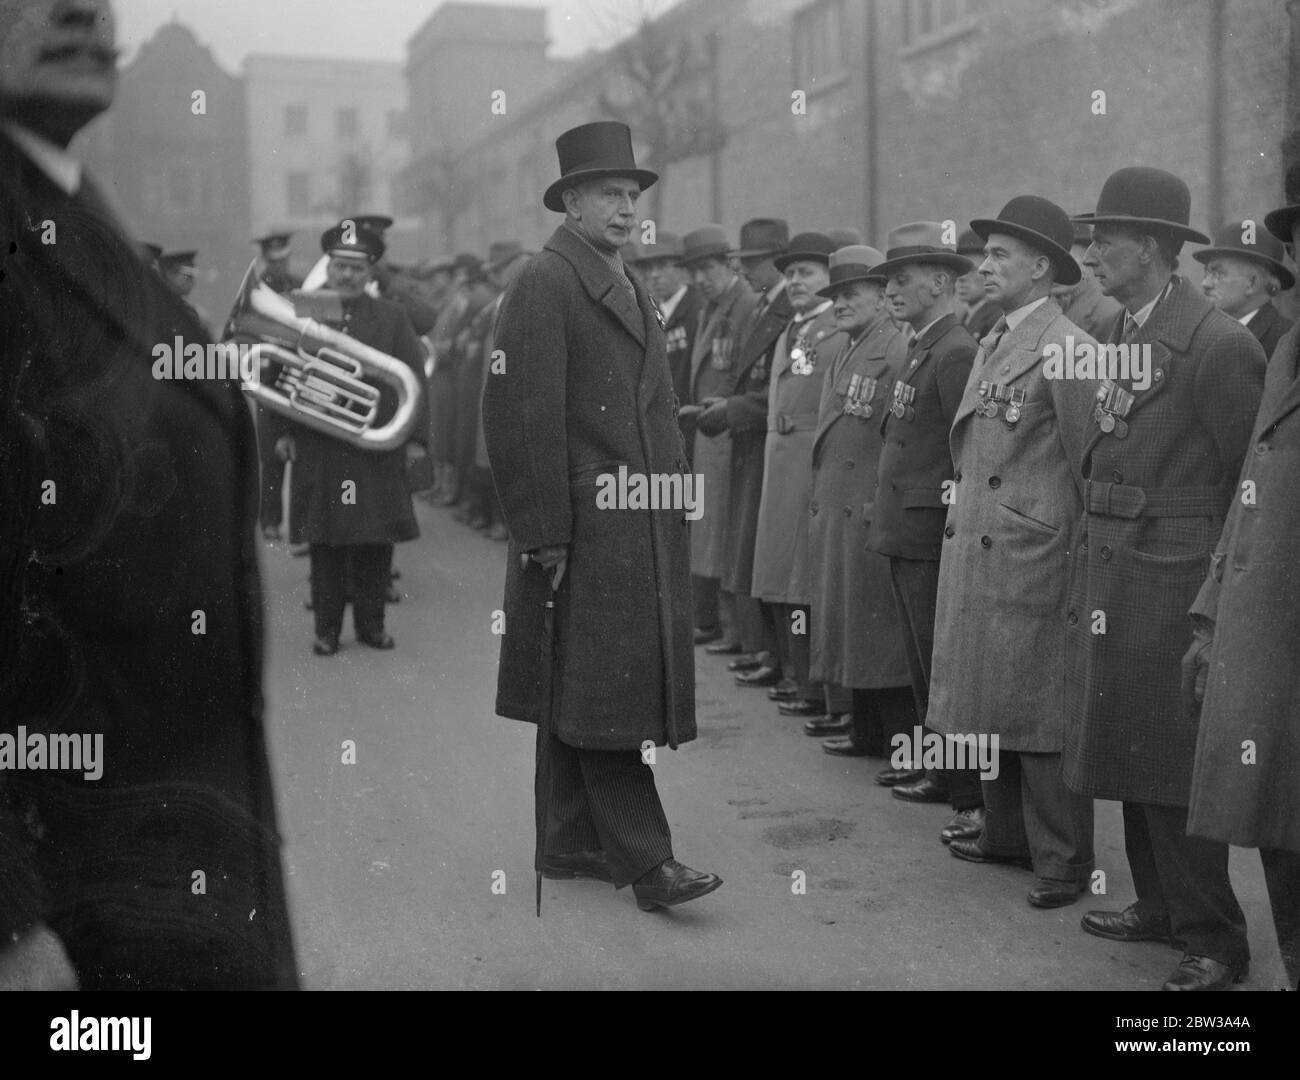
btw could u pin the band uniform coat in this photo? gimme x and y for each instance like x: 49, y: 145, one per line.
x: 586, y: 389
x: 1156, y: 492
x: 1017, y: 496
x: 855, y: 637
x: 1253, y: 595
x: 781, y: 571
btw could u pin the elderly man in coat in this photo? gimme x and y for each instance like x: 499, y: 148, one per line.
x: 857, y: 644
x: 1246, y: 651
x: 1244, y: 271
x: 1171, y: 427
x: 597, y: 650
x: 1016, y: 499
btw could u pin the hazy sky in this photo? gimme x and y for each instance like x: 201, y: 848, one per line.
x: 358, y: 29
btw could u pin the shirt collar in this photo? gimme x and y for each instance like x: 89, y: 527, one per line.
x: 1245, y: 319
x: 1015, y: 318
x: 926, y: 328
x: 775, y: 291
x: 812, y: 313
x: 62, y: 167
x: 670, y: 305
x: 1141, y: 316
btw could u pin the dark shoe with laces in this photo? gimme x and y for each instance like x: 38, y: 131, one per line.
x: 325, y: 645
x: 1127, y: 925
x: 577, y: 864
x: 670, y: 883
x: 377, y: 641
x: 1202, y: 973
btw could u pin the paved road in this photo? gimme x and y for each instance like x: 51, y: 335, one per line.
x: 391, y: 860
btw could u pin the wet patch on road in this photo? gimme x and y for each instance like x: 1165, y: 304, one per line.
x: 808, y: 833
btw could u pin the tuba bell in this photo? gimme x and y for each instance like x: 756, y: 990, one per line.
x: 318, y: 376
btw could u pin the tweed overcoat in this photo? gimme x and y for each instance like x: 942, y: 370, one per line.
x: 781, y: 571
x: 586, y: 389
x: 1253, y: 596
x: 1017, y: 496
x: 713, y: 373
x: 1154, y: 505
x: 855, y: 637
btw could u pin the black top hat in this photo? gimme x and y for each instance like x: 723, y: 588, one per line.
x: 593, y: 151
x: 809, y: 246
x: 356, y: 241
x: 762, y: 237
x: 1041, y: 224
x: 1266, y: 250
x: 1144, y: 197
x: 856, y: 262
x: 921, y: 242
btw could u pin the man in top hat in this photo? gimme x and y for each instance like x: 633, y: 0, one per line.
x: 1165, y: 447
x: 1245, y: 655
x: 743, y: 414
x: 680, y: 303
x: 275, y: 256
x: 729, y: 301
x: 978, y: 310
x: 1243, y: 272
x: 1016, y: 500
x: 782, y: 572
x: 915, y: 465
x: 1083, y: 303
x: 857, y: 643
x: 597, y: 595
x: 352, y: 505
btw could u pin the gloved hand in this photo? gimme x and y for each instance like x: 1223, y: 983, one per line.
x: 1196, y: 666
x: 713, y: 420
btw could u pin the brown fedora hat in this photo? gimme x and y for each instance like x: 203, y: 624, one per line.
x: 1042, y: 225
x: 592, y: 152
x: 1144, y: 197
x: 921, y: 242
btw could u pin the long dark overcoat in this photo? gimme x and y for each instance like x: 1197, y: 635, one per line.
x: 150, y: 521
x: 855, y: 637
x: 586, y: 389
x: 381, y: 513
x: 1154, y: 505
x: 1251, y: 795
x: 999, y: 639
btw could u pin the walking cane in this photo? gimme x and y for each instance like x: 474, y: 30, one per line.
x: 542, y: 784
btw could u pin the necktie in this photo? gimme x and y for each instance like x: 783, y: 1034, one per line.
x: 1131, y: 330
x: 990, y: 342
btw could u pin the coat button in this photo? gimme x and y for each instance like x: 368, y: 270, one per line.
x: 995, y: 482
x: 957, y: 476
x: 1261, y: 448
x: 1072, y: 619
x: 949, y: 531
x: 986, y: 542
x: 1105, y: 551
x: 1117, y: 476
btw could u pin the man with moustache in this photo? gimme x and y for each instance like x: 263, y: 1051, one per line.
x: 1160, y: 469
x: 915, y: 464
x: 680, y: 302
x: 728, y: 304
x: 1017, y: 496
x: 782, y: 573
x: 597, y: 599
x: 152, y: 525
x: 1083, y: 303
x: 1243, y: 272
x: 744, y: 415
x: 857, y: 644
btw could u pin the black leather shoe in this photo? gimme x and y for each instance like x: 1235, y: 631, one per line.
x: 577, y: 864
x: 821, y: 726
x: 376, y: 641
x: 1050, y: 894
x: 891, y: 777
x: 767, y: 675
x: 800, y: 707
x: 784, y: 690
x: 325, y: 646
x: 1127, y: 925
x: 844, y: 747
x: 965, y: 825
x: 970, y: 851
x: 1202, y: 973
x: 670, y: 883
x: 747, y: 662
x: 923, y: 790
x: 725, y: 648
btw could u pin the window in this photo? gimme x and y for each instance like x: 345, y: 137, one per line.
x: 397, y: 126
x: 295, y: 119
x: 347, y: 122
x: 299, y: 193
x: 820, y: 46
x: 925, y: 19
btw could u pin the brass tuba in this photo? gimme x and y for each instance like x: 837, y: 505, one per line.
x: 318, y: 376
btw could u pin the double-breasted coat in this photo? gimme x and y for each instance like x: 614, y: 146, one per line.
x: 781, y: 569
x: 586, y: 390
x: 855, y: 638
x: 1246, y: 781
x: 747, y: 425
x: 713, y: 373
x: 1157, y: 489
x: 1017, y: 496
x: 377, y: 508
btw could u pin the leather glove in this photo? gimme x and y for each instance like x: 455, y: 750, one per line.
x: 1196, y: 667
x: 713, y: 421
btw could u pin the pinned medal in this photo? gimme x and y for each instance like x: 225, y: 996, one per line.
x: 1106, y: 422
x: 1013, y: 413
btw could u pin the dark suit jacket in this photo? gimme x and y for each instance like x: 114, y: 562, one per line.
x: 916, y: 460
x: 149, y: 532
x: 1268, y: 326
x: 679, y: 332
x: 981, y: 320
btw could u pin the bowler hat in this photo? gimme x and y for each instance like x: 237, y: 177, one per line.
x: 1281, y: 221
x: 855, y: 262
x: 806, y: 247
x: 845, y: 237
x: 1145, y: 197
x: 970, y: 243
x: 667, y: 245
x: 591, y: 152
x: 762, y: 236
x: 921, y: 242
x: 360, y: 241
x: 706, y: 242
x: 1041, y: 224
x: 1265, y: 250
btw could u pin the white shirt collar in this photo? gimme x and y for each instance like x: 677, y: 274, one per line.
x: 1245, y: 319
x: 63, y: 169
x: 774, y: 291
x: 1015, y: 318
x: 812, y: 313
x: 927, y: 326
x: 1141, y: 316
x: 668, y: 306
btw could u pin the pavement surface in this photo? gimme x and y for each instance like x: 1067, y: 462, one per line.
x: 412, y: 868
